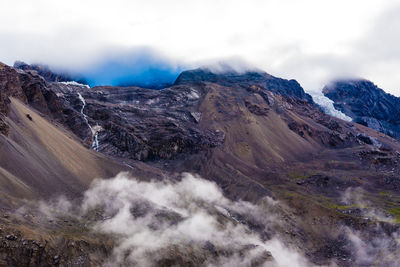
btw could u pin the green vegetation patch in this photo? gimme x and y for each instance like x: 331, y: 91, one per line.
x: 384, y: 193
x: 340, y: 207
x: 396, y: 213
x: 298, y: 176
x: 347, y: 207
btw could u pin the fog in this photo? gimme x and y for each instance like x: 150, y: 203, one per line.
x: 312, y: 41
x: 183, y: 217
x: 189, y: 220
x: 379, y: 244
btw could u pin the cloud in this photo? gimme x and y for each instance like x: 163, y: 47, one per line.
x: 377, y: 248
x: 189, y: 220
x: 186, y: 216
x: 184, y: 221
x: 355, y: 197
x: 310, y: 40
x: 141, y: 66
x: 378, y: 241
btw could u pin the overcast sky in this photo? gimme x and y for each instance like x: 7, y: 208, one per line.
x: 312, y: 41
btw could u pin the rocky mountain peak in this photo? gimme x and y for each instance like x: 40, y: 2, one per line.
x: 48, y: 74
x: 246, y: 79
x: 230, y: 76
x: 338, y: 88
x: 367, y: 104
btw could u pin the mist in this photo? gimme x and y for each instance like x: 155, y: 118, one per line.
x: 189, y: 220
x: 379, y: 243
x: 310, y: 41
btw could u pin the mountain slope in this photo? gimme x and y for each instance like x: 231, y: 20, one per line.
x: 228, y: 128
x: 39, y: 158
x: 45, y: 158
x: 366, y: 104
x: 259, y: 138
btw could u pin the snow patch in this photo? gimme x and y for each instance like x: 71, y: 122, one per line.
x: 75, y: 84
x: 327, y: 106
x: 193, y: 95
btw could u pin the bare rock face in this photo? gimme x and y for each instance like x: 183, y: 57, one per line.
x: 247, y: 79
x: 145, y: 124
x: 4, y: 128
x: 43, y: 71
x: 32, y: 89
x: 10, y: 85
x: 366, y: 104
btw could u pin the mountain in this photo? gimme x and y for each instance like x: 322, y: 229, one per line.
x: 34, y: 146
x: 45, y: 72
x: 366, y: 104
x: 280, y: 175
x: 249, y: 78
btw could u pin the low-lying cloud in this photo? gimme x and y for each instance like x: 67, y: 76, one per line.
x: 378, y: 244
x: 190, y: 217
x: 190, y: 221
x: 185, y: 221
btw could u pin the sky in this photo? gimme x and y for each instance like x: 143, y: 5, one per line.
x: 312, y: 41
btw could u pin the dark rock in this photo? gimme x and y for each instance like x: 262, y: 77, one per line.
x: 32, y: 89
x: 365, y: 138
x: 145, y: 124
x: 45, y: 72
x: 256, y: 109
x: 211, y: 248
x: 248, y: 79
x: 10, y: 86
x: 366, y: 104
x: 4, y: 128
x: 11, y: 237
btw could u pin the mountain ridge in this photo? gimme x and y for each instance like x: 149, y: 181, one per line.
x: 367, y: 104
x: 246, y: 79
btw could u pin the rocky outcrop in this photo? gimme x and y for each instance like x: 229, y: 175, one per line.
x: 145, y: 124
x: 247, y: 79
x: 43, y: 71
x: 4, y: 128
x: 366, y: 104
x: 10, y: 86
x: 32, y: 89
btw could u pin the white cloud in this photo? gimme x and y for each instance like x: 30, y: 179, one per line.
x: 309, y: 40
x: 152, y: 217
x: 188, y: 219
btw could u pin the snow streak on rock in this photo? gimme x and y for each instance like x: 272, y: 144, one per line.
x: 327, y: 106
x: 95, y: 130
x: 76, y: 84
